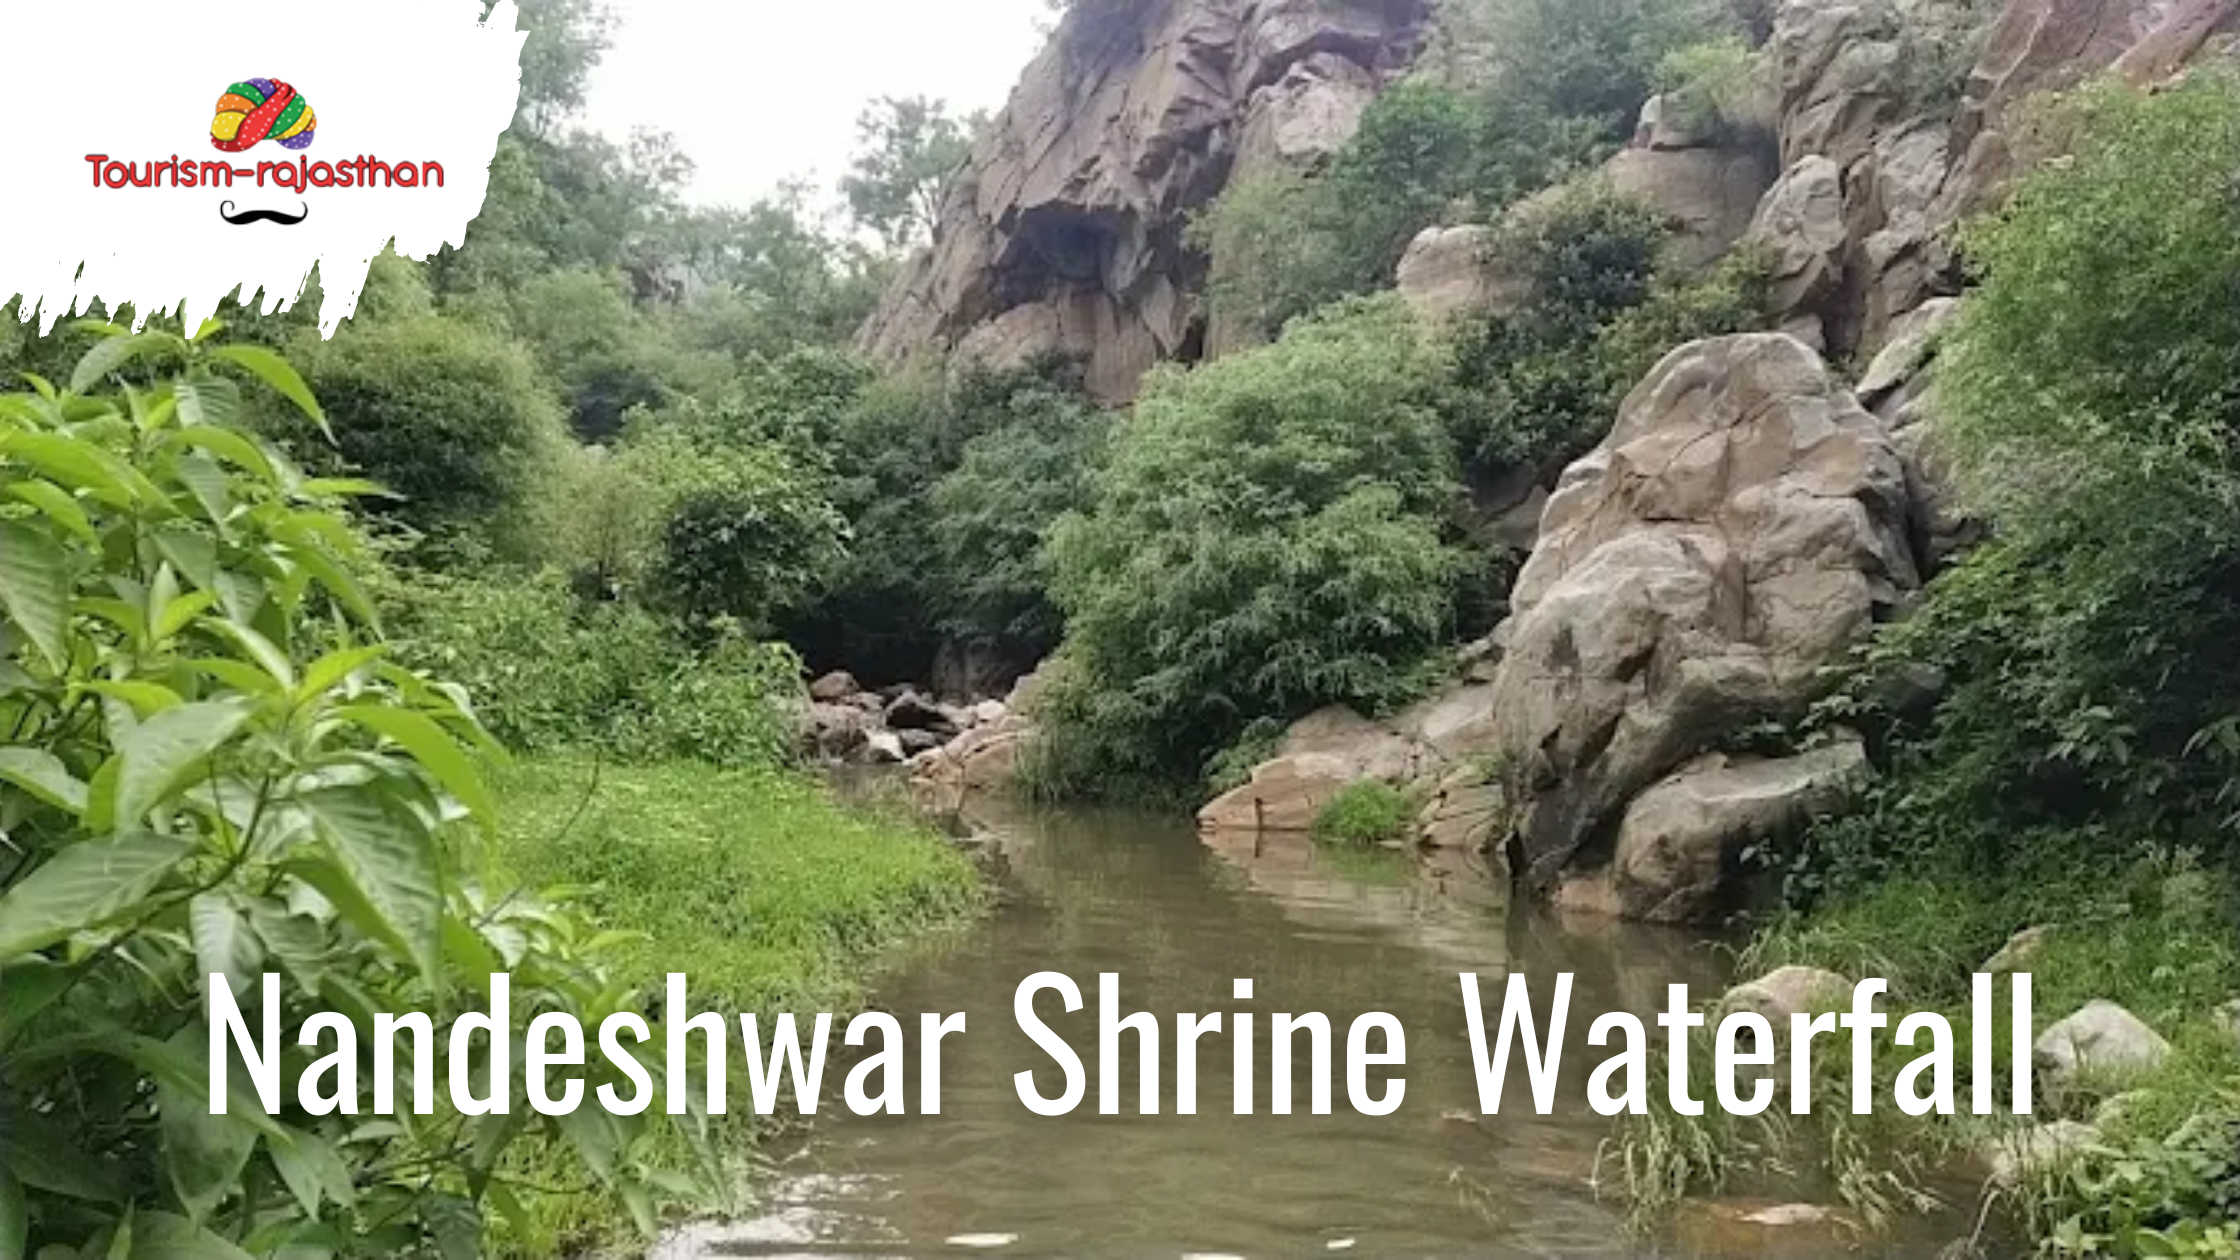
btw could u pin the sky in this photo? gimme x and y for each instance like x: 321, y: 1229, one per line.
x: 757, y: 91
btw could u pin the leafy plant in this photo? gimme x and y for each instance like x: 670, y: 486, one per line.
x: 1367, y: 813
x: 214, y: 770
x: 1268, y: 537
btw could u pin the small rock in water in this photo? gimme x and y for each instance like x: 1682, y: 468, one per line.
x: 982, y: 1241
x: 1340, y: 1244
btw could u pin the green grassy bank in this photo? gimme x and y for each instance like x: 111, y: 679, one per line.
x: 764, y: 890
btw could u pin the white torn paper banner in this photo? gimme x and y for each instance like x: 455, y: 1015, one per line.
x: 175, y: 154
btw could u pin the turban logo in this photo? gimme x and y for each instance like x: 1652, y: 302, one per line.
x: 262, y: 109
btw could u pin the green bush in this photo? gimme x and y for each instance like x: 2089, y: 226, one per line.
x: 1540, y: 384
x: 1268, y: 537
x: 926, y: 563
x: 1709, y: 85
x: 547, y: 671
x: 443, y: 413
x: 213, y: 771
x: 1283, y: 244
x: 2088, y: 392
x: 1364, y: 814
x: 992, y: 513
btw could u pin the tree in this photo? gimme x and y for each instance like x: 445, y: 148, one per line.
x: 1267, y: 538
x: 908, y: 148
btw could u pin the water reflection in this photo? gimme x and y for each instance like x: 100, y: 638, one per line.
x: 1179, y: 919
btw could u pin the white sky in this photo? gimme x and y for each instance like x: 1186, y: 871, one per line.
x: 759, y: 90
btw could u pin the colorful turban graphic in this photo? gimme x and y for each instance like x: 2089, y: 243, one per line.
x: 262, y: 109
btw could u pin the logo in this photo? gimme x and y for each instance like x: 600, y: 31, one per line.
x: 249, y: 113
x: 255, y: 110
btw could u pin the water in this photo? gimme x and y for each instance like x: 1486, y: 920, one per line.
x: 1180, y: 920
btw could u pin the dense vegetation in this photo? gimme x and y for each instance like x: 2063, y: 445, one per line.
x: 2076, y: 767
x: 603, y: 485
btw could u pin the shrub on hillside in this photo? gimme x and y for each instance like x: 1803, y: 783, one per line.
x: 443, y: 413
x: 2088, y: 396
x: 1267, y: 538
x: 1538, y: 385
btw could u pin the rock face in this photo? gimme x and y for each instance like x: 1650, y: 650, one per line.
x: 1743, y: 521
x: 1065, y: 230
x: 1680, y: 844
x: 1705, y: 184
x: 1318, y: 758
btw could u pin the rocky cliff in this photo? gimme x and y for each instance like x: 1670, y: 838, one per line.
x: 1065, y: 231
x: 1759, y: 501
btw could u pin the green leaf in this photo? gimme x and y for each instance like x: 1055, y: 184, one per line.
x: 260, y: 649
x: 224, y: 945
x: 275, y: 372
x: 180, y: 613
x: 112, y: 354
x: 239, y: 675
x: 35, y: 589
x: 146, y: 698
x: 312, y: 1170
x: 43, y: 775
x: 72, y: 462
x: 163, y: 1236
x: 57, y: 505
x: 436, y: 752
x: 28, y: 987
x: 43, y: 1155
x: 326, y: 673
x: 15, y: 1218
x: 84, y: 886
x: 169, y: 751
x: 339, y: 582
x: 228, y: 445
x: 388, y: 853
x: 345, y: 488
x: 456, y: 1225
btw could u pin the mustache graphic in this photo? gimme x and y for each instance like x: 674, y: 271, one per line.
x: 226, y: 212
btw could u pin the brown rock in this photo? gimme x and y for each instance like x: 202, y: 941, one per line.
x: 1706, y: 195
x: 1681, y: 842
x: 1744, y: 520
x: 1318, y: 757
x: 1065, y: 231
x: 1448, y: 273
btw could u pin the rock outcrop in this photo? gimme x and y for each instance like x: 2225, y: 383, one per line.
x: 1065, y: 230
x: 1318, y: 757
x: 1859, y: 102
x: 1680, y: 845
x: 1743, y: 521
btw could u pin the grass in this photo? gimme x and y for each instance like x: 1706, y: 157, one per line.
x: 2156, y: 933
x: 766, y: 892
x: 1365, y: 813
x: 770, y: 895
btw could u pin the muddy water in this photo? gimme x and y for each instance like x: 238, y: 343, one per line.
x: 1180, y: 920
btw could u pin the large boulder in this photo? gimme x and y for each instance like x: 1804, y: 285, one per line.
x: 1065, y: 231
x: 1800, y: 226
x: 1707, y: 195
x: 1448, y: 273
x: 1681, y: 844
x: 2103, y: 1039
x: 1744, y: 520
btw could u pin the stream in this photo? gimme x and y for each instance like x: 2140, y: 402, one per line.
x: 1180, y: 919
